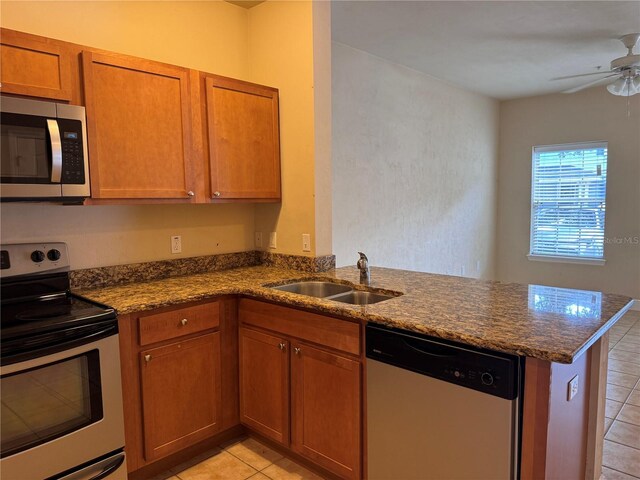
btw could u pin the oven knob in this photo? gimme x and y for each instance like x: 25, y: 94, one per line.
x: 487, y: 378
x: 53, y: 255
x: 37, y: 256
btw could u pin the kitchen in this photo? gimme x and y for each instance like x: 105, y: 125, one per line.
x: 125, y: 234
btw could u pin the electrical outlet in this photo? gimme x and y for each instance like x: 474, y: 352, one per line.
x: 176, y: 244
x: 258, y: 239
x: 573, y: 388
x: 306, y: 242
x: 272, y: 240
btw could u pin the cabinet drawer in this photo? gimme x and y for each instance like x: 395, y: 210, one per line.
x: 331, y: 332
x: 175, y: 323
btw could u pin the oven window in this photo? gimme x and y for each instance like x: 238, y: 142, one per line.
x: 47, y: 402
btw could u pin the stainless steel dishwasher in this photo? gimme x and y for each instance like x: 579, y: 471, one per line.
x: 439, y: 410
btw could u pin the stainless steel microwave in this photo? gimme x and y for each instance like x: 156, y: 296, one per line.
x: 43, y: 151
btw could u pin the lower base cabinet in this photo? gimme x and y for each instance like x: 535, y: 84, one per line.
x: 301, y: 395
x: 180, y: 378
x: 325, y: 409
x: 180, y: 394
x: 264, y: 384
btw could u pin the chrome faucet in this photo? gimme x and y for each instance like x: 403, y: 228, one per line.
x: 363, y: 266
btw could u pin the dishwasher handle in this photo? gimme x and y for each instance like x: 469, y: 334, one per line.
x: 426, y: 347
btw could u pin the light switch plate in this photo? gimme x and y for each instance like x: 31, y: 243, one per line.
x: 573, y: 388
x: 272, y: 240
x: 306, y: 242
x: 258, y: 239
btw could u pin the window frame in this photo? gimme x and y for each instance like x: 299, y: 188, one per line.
x: 564, y: 258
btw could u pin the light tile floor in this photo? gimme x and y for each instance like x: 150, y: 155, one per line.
x: 247, y: 458
x: 621, y: 457
x: 239, y: 460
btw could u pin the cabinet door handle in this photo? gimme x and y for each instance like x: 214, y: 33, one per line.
x: 190, y: 193
x: 147, y: 358
x: 282, y: 346
x: 216, y: 194
x: 297, y: 350
x: 183, y: 322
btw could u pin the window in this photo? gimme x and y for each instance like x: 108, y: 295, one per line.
x: 568, y: 202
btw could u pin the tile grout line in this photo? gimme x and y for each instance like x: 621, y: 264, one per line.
x: 620, y: 471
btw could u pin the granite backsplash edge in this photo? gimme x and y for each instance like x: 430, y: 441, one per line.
x: 148, y: 271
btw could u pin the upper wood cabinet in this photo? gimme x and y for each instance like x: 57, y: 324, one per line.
x: 139, y: 128
x: 243, y: 139
x: 35, y: 68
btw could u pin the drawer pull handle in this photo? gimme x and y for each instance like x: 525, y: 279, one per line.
x: 216, y: 194
x: 147, y: 358
x: 282, y: 346
x: 184, y: 321
x: 297, y: 350
x: 190, y: 193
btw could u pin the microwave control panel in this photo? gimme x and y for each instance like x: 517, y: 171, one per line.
x: 72, y: 151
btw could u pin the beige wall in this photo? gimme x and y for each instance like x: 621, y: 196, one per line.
x: 590, y: 115
x: 281, y: 43
x: 414, y: 168
x: 209, y: 36
x: 213, y: 36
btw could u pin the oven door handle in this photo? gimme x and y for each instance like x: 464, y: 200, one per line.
x: 47, y: 353
x: 109, y: 469
x: 89, y: 473
x: 56, y: 151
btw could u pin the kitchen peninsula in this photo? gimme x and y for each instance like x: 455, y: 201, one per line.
x: 561, y: 333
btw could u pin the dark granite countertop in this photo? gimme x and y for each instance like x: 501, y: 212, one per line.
x: 548, y: 323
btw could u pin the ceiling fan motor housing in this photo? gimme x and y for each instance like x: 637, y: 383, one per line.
x: 626, y: 62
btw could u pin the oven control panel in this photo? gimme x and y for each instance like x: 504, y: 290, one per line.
x: 33, y: 258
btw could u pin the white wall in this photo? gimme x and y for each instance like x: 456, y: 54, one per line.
x: 593, y: 114
x: 414, y: 168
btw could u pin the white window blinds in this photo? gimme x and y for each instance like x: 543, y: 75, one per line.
x: 568, y: 200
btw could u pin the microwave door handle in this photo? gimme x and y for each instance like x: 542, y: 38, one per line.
x: 56, y: 151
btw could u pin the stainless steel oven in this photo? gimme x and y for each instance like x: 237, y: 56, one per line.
x: 60, y: 384
x: 43, y: 151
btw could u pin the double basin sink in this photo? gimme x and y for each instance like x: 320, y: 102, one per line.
x: 334, y: 291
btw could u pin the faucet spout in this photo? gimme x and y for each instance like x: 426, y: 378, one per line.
x: 363, y: 266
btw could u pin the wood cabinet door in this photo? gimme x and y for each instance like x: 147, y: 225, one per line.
x: 139, y: 127
x: 326, y: 409
x: 34, y: 68
x: 181, y: 397
x: 264, y: 384
x: 244, y: 139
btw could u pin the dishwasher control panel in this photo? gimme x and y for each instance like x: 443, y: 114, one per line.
x: 490, y: 372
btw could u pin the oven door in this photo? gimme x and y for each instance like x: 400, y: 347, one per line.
x: 62, y: 410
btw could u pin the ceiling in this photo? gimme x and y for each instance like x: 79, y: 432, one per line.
x: 503, y: 49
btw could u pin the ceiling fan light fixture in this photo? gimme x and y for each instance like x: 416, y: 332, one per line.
x: 619, y: 87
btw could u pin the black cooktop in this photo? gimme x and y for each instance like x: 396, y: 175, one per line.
x: 49, y: 313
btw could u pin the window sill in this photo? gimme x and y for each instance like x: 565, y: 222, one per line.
x: 558, y: 259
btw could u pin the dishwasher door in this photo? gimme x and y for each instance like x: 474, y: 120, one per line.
x: 421, y: 427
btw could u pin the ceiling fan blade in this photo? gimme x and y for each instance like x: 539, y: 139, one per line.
x: 590, y: 84
x: 584, y: 75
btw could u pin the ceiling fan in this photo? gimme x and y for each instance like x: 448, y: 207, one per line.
x: 625, y: 70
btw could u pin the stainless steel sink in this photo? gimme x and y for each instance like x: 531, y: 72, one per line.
x: 314, y: 288
x: 358, y: 297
